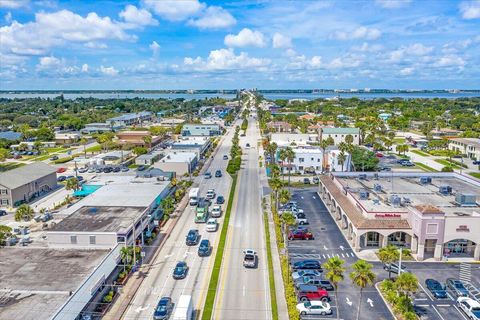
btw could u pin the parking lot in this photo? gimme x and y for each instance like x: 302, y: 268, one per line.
x: 330, y: 242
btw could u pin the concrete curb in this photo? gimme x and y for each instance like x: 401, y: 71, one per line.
x: 385, y: 301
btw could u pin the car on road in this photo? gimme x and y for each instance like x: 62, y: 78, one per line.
x: 300, y: 234
x: 306, y: 180
x: 210, y: 194
x: 307, y: 264
x: 225, y: 157
x: 470, y: 307
x: 164, y: 309
x: 82, y: 170
x: 311, y: 293
x: 306, y: 273
x: 53, y: 158
x: 220, y: 200
x: 314, y: 281
x: 61, y: 178
x: 457, y: 287
x: 436, y: 288
x: 204, y: 249
x: 393, y: 268
x: 207, y: 175
x: 218, y: 174
x: 247, y: 145
x: 211, y: 225
x: 192, y: 237
x: 216, y: 211
x: 180, y: 271
x: 314, y: 308
x: 250, y: 258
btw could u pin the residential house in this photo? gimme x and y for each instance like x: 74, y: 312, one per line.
x: 279, y: 126
x: 147, y: 159
x: 131, y: 119
x: 338, y: 134
x: 67, y: 137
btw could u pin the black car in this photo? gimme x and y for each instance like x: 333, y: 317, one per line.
x: 61, y: 178
x: 107, y: 170
x: 180, y: 271
x: 116, y: 169
x: 53, y: 158
x: 457, y: 287
x: 307, y: 264
x: 218, y: 174
x: 477, y: 162
x: 306, y: 181
x: 436, y: 288
x: 204, y: 249
x: 220, y: 200
x: 192, y: 237
x: 225, y: 157
x: 316, y: 180
x: 80, y: 178
x: 3, y: 213
x: 164, y: 309
x: 141, y: 168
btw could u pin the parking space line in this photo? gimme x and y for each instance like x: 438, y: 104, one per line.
x: 460, y: 311
x: 342, y: 255
x: 438, y: 312
x: 323, y: 256
x: 428, y: 295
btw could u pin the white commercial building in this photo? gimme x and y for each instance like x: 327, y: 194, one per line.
x: 311, y: 160
x: 293, y: 139
x: 467, y: 146
x: 339, y: 134
x: 179, y: 162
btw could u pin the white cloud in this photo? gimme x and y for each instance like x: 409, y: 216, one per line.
x: 358, y: 33
x: 281, y: 41
x: 95, y: 45
x: 392, y: 4
x: 245, y: 38
x: 214, y: 18
x: 416, y: 49
x: 85, y: 67
x: 301, y: 62
x: 50, y: 65
x: 470, y: 9
x: 367, y: 47
x: 407, y: 71
x: 13, y: 4
x: 225, y: 59
x: 343, y: 62
x: 175, y: 10
x: 137, y: 17
x: 450, y: 61
x: 46, y: 63
x: 109, y: 71
x: 8, y: 17
x: 155, y: 47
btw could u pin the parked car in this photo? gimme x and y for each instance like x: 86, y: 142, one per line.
x: 116, y: 169
x: 53, y: 158
x: 3, y: 213
x: 207, y: 175
x: 316, y: 180
x: 408, y: 164
x: 91, y: 170
x: 210, y: 194
x: 164, y: 309
x: 218, y: 174
x: 82, y: 170
x: 225, y: 157
x: 109, y: 169
x: 61, y: 170
x: 311, y: 293
x: 306, y: 180
x: 470, y: 307
x: 314, y: 308
x: 301, y: 221
x: 192, y: 237
x: 436, y: 288
x: 476, y: 162
x: 305, y: 273
x: 211, y: 225
x: 220, y: 200
x: 204, y: 249
x: 457, y: 287
x: 98, y: 170
x: 80, y: 178
x: 379, y: 155
x: 314, y: 281
x: 393, y: 268
x: 180, y: 271
x: 125, y: 169
x: 300, y: 234
x: 307, y: 264
x: 216, y: 211
x: 141, y: 168
x: 61, y: 178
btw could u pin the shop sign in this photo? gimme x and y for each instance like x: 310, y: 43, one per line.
x: 387, y: 215
x: 463, y: 228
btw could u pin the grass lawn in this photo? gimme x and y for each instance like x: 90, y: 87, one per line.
x: 424, y: 167
x: 420, y: 153
x: 475, y: 174
x: 96, y: 148
x: 399, y: 140
x: 10, y: 165
x: 271, y: 277
x: 447, y: 163
x: 56, y: 149
x: 41, y: 158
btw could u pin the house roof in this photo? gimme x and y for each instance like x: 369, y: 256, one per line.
x: 341, y: 130
x: 20, y: 176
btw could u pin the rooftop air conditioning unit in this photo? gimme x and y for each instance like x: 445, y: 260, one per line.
x: 375, y: 176
x: 425, y: 180
x: 377, y: 187
x: 466, y: 200
x: 396, y: 201
x: 445, y: 190
x: 364, y: 195
x: 362, y: 176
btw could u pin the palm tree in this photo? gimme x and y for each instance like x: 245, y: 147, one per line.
x: 83, y: 142
x: 147, y: 140
x: 388, y: 254
x: 24, y: 212
x: 276, y: 185
x: 342, y: 157
x: 282, y: 155
x: 284, y: 196
x: 126, y: 254
x: 348, y: 139
x: 290, y: 158
x: 274, y: 170
x: 342, y: 146
x: 271, y: 150
x: 406, y: 283
x: 335, y: 274
x: 362, y: 276
x: 72, y: 184
x: 288, y: 220
x: 323, y: 146
x: 168, y: 205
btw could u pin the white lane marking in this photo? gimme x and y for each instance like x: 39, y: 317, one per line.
x: 370, y: 302
x: 323, y: 256
x: 459, y: 311
x: 301, y: 197
x: 428, y: 295
x: 421, y: 299
x: 328, y: 255
x: 438, y: 313
x: 349, y: 302
x: 341, y: 248
x: 325, y: 247
x: 140, y: 309
x: 342, y: 256
x: 443, y: 305
x: 243, y: 291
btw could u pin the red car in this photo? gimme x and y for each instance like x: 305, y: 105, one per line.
x: 379, y: 155
x: 309, y: 293
x: 301, y: 234
x: 61, y: 170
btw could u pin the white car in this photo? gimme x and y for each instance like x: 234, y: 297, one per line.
x: 314, y: 307
x: 470, y: 307
x: 210, y: 194
x: 216, y: 211
x: 212, y: 225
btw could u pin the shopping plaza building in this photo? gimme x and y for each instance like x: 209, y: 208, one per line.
x: 436, y: 215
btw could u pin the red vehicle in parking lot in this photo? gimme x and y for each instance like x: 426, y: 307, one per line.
x: 309, y: 293
x: 300, y: 234
x: 61, y: 170
x: 379, y: 155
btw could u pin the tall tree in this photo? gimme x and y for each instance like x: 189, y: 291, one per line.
x: 406, y: 283
x: 284, y: 196
x: 388, y: 254
x: 335, y: 274
x: 290, y: 158
x: 72, y: 184
x: 342, y: 157
x: 24, y: 212
x: 282, y: 156
x: 362, y: 276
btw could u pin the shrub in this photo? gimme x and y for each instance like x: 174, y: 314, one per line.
x: 447, y: 169
x: 63, y: 160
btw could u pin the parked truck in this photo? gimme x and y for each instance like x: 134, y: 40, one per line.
x: 184, y: 308
x: 193, y: 196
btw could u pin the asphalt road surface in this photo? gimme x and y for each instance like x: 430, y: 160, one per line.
x: 159, y: 281
x: 244, y: 293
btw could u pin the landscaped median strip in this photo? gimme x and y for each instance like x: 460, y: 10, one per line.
x: 212, y: 286
x: 271, y: 278
x: 425, y: 167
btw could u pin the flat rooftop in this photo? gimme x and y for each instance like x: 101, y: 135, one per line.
x: 35, y: 282
x: 178, y: 157
x: 410, y: 189
x: 100, y: 219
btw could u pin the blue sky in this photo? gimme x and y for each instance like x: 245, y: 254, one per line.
x: 191, y: 44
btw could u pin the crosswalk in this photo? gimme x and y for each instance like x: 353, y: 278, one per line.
x: 322, y: 256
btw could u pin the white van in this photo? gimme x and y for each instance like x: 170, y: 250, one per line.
x: 184, y: 308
